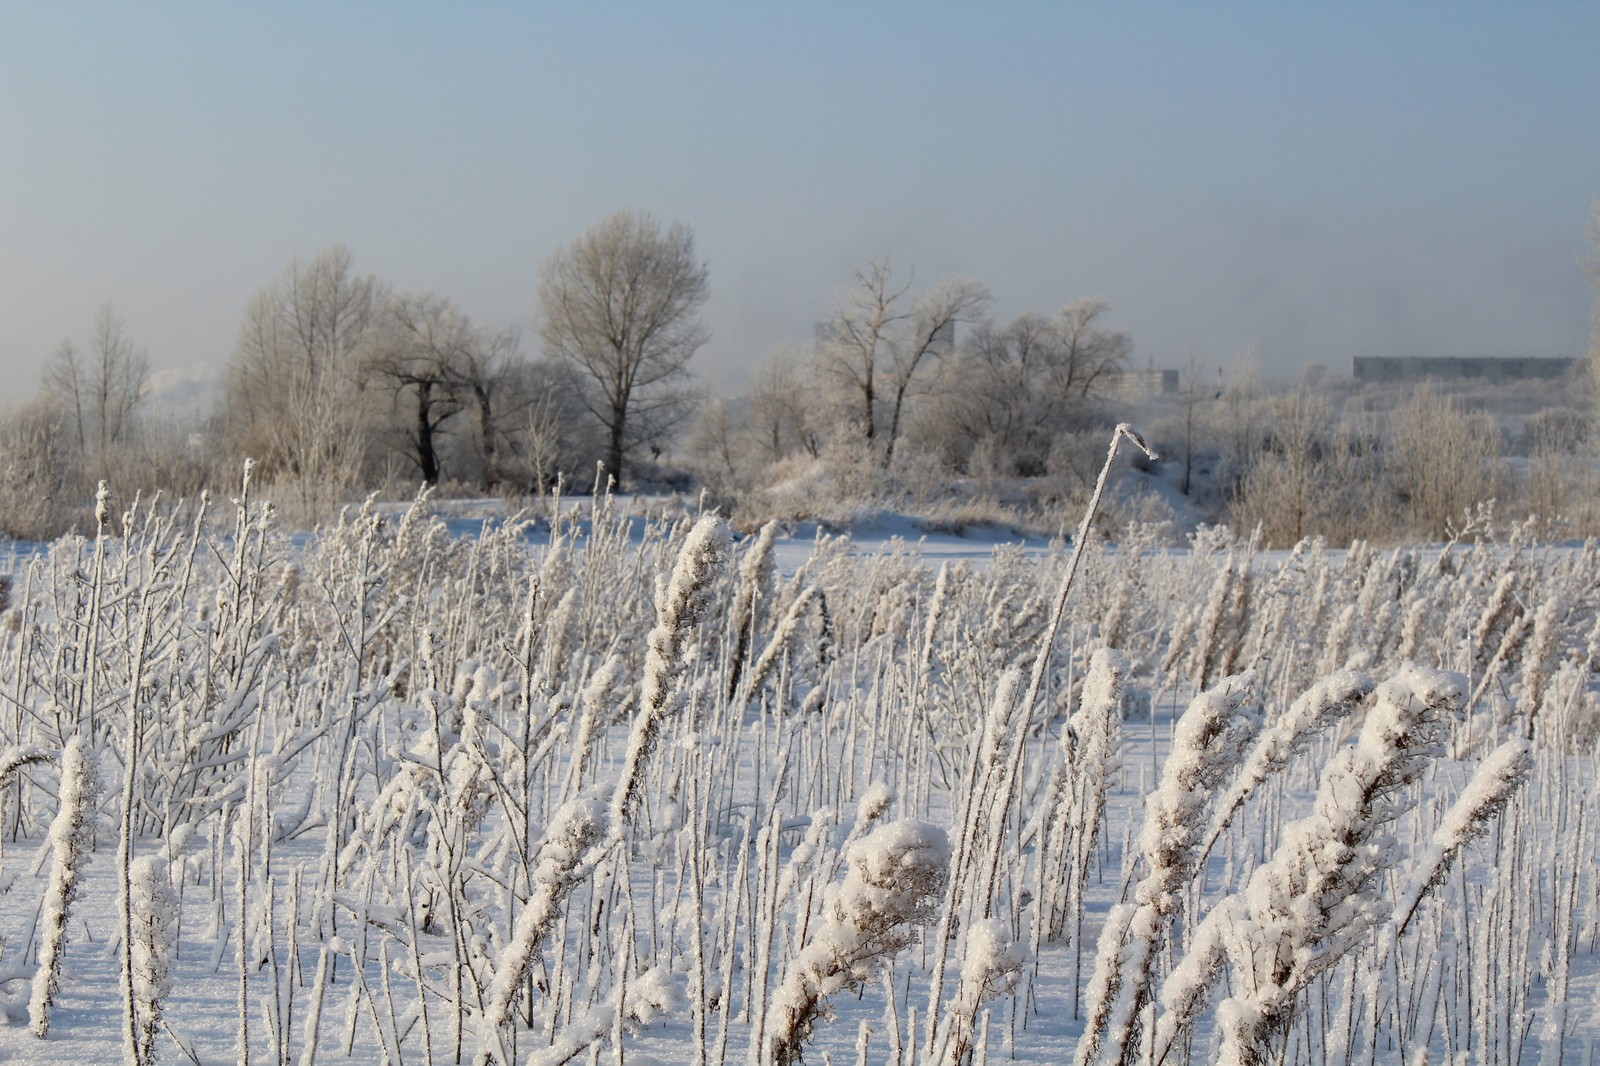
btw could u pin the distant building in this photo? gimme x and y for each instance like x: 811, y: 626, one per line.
x: 1381, y: 369
x: 1133, y: 384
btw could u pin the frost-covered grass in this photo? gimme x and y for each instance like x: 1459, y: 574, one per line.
x: 652, y: 792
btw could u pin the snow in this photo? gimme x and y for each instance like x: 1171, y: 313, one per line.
x: 495, y: 816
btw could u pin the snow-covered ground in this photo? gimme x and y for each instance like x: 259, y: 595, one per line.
x: 633, y: 790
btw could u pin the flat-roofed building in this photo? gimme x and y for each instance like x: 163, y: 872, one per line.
x: 1376, y: 369
x: 1132, y: 384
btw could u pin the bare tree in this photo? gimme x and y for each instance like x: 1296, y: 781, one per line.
x: 1592, y: 267
x: 621, y: 304
x: 483, y: 377
x: 1192, y: 421
x: 1444, y: 459
x: 994, y: 398
x: 39, y: 486
x: 420, y: 354
x: 1083, y: 352
x: 877, y: 341
x: 549, y: 431
x: 718, y: 446
x: 66, y: 387
x: 293, y: 398
x: 1285, y: 489
x: 541, y: 443
x: 1244, y: 419
x: 930, y: 333
x: 855, y: 337
x: 784, y: 419
x: 99, y: 392
x: 1014, y: 389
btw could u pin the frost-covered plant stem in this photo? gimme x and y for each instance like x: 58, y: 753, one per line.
x: 153, y: 934
x: 1041, y: 665
x: 1329, y: 701
x: 683, y: 603
x: 1206, y: 750
x: 1491, y: 787
x: 246, y: 831
x: 897, y: 874
x: 71, y: 835
x: 780, y: 640
x: 1041, y: 662
x: 1316, y: 897
x: 755, y: 577
x: 564, y: 859
x: 639, y: 999
x: 978, y: 783
x: 138, y: 1046
x: 91, y: 663
x: 990, y: 965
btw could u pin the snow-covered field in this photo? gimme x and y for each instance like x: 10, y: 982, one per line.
x: 625, y: 791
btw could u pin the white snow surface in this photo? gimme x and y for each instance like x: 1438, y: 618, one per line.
x: 818, y: 815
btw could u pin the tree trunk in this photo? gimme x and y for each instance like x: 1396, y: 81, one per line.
x: 427, y: 456
x: 611, y: 476
x: 868, y: 396
x: 894, y: 425
x: 491, y: 474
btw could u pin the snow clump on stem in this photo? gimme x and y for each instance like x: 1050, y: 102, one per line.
x: 897, y: 877
x: 71, y: 835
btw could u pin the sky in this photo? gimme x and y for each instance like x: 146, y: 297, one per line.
x: 1291, y: 183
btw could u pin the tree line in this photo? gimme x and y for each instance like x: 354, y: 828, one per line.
x: 339, y: 384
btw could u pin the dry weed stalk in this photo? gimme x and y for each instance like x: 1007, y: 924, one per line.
x: 1206, y: 750
x: 897, y: 876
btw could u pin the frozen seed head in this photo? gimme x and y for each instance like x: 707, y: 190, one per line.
x: 1136, y: 439
x: 102, y: 504
x: 874, y: 801
x: 700, y: 563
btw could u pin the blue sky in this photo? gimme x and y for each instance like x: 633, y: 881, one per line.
x: 1308, y: 181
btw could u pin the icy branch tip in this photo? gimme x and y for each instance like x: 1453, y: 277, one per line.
x: 1125, y: 430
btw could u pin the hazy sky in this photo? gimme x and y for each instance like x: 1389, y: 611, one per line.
x: 1314, y: 181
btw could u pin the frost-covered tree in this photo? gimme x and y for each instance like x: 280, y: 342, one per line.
x: 486, y: 380
x: 621, y: 305
x: 1284, y: 489
x: 1592, y: 267
x: 1443, y: 459
x: 98, y: 390
x: 436, y: 364
x: 1016, y: 388
x: 784, y: 418
x: 878, y: 342
x: 292, y: 398
x: 39, y: 478
x: 418, y: 349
